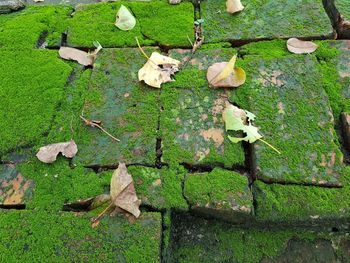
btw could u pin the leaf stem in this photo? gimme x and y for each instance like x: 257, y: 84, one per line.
x: 272, y: 147
x: 143, y: 52
x: 93, y: 124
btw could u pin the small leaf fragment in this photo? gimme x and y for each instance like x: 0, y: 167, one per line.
x: 48, y: 153
x: 234, y: 6
x: 123, y: 194
x: 158, y: 69
x: 237, y: 119
x: 125, y: 20
x: 80, y: 56
x: 225, y: 75
x: 298, y: 46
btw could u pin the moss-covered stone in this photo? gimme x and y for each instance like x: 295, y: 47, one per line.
x: 31, y: 89
x: 159, y: 188
x: 157, y: 23
x: 293, y: 113
x: 199, y: 240
x: 263, y: 19
x: 14, y: 188
x: 60, y: 237
x: 343, y: 8
x: 22, y: 30
x: 306, y: 204
x: 221, y: 193
x: 127, y: 108
x: 191, y: 125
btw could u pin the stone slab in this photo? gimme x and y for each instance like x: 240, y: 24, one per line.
x: 127, y: 108
x: 265, y: 19
x: 191, y: 124
x: 294, y: 115
x: 158, y: 23
x: 199, y: 240
x: 28, y: 236
x: 221, y: 194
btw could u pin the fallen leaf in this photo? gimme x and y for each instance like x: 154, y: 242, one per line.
x: 82, y: 57
x: 225, y: 75
x: 234, y: 6
x: 237, y: 119
x: 48, y: 153
x: 36, y: 1
x: 297, y: 46
x: 125, y: 20
x: 158, y: 69
x: 123, y: 194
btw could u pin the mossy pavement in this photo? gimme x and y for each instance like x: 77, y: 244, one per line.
x: 204, y: 199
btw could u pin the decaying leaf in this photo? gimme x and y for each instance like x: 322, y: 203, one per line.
x: 158, y: 70
x: 48, y: 153
x: 123, y: 194
x: 125, y: 20
x: 82, y: 57
x: 36, y: 1
x: 237, y: 119
x: 297, y: 46
x: 225, y: 75
x: 234, y: 6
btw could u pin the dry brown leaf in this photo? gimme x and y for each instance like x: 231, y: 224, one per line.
x: 70, y: 53
x: 234, y: 6
x: 48, y: 153
x: 225, y: 75
x: 158, y: 70
x: 297, y: 46
x: 123, y: 192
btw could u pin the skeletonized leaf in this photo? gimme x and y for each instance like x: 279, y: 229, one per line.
x: 80, y: 56
x: 125, y: 20
x: 48, y: 153
x: 297, y: 46
x: 225, y: 75
x: 158, y: 69
x: 237, y: 119
x: 233, y: 6
x: 123, y: 192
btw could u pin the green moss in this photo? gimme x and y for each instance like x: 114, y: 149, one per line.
x: 157, y: 23
x: 32, y: 88
x: 127, y: 108
x: 57, y: 183
x: 191, y: 127
x: 219, y: 189
x: 159, y: 188
x: 294, y: 114
x: 264, y: 49
x: 22, y: 30
x: 263, y: 19
x: 292, y: 203
x: 40, y: 236
x: 343, y: 8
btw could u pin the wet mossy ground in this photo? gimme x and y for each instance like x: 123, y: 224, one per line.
x: 173, y: 139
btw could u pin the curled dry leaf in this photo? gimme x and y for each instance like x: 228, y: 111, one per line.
x: 123, y: 194
x: 297, y: 46
x: 82, y: 57
x: 48, y: 153
x: 237, y: 119
x: 225, y: 75
x: 234, y: 6
x: 125, y: 20
x: 158, y: 70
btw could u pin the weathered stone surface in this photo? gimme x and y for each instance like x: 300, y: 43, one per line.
x: 42, y: 236
x: 294, y: 115
x: 191, y: 123
x: 127, y: 108
x: 301, y: 204
x: 14, y: 188
x: 221, y: 193
x: 8, y: 6
x: 263, y: 19
x: 199, y: 240
x: 345, y: 117
x: 158, y: 22
x: 159, y: 188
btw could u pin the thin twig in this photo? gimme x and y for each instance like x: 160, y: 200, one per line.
x: 94, y: 124
x: 272, y: 147
x: 189, y: 40
x: 98, y: 218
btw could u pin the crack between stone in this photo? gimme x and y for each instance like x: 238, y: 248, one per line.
x: 332, y: 186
